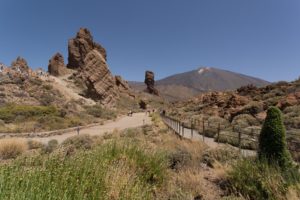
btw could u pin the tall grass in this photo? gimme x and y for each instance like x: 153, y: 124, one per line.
x: 11, y: 148
x: 260, y: 180
x: 111, y: 171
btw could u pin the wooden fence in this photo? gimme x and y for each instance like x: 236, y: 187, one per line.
x: 220, y: 133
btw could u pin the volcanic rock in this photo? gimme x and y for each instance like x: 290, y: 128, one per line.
x: 122, y: 84
x: 149, y: 81
x: 98, y: 79
x: 20, y: 65
x: 56, y: 65
x: 80, y: 46
x: 290, y: 100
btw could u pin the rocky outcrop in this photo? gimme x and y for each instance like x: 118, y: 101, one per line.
x: 88, y: 59
x: 289, y: 100
x: 80, y: 46
x: 98, y: 79
x: 149, y: 81
x: 56, y: 65
x: 20, y: 65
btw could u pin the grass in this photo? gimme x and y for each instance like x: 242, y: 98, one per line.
x: 11, y: 148
x: 112, y: 171
x: 260, y: 181
x: 10, y: 112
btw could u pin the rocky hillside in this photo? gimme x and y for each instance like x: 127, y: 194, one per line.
x: 79, y: 91
x: 244, y: 110
x: 205, y: 79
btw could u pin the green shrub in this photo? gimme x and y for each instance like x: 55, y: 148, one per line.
x: 98, y: 111
x: 51, y: 146
x: 79, y: 141
x: 256, y: 180
x: 33, y: 144
x: 272, y: 139
x: 10, y: 112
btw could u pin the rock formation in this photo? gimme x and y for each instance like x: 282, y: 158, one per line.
x: 20, y: 65
x: 56, y: 65
x: 80, y: 46
x: 149, y: 81
x: 88, y: 59
x: 121, y: 84
x: 98, y: 79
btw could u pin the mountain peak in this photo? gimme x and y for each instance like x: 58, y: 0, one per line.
x: 202, y: 70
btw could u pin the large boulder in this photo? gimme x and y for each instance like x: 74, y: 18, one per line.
x: 98, y: 79
x: 56, y: 66
x: 149, y: 81
x: 80, y: 46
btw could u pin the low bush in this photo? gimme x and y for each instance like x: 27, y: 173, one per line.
x: 11, y: 148
x: 224, y: 155
x: 98, y: 111
x: 9, y: 112
x: 79, y: 141
x: 50, y: 147
x: 178, y: 159
x: 33, y: 144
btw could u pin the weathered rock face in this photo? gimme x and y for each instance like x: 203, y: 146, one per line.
x: 88, y: 59
x: 98, y: 79
x: 56, y: 65
x: 121, y: 84
x: 20, y: 64
x: 149, y: 81
x: 80, y: 46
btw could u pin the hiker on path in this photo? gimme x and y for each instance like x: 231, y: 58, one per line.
x: 78, y: 129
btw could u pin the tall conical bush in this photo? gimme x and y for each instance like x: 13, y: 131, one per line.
x: 272, y: 140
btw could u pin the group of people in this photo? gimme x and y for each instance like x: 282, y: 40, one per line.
x: 130, y: 113
x: 17, y: 71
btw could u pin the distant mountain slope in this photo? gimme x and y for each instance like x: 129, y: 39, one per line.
x: 187, y: 84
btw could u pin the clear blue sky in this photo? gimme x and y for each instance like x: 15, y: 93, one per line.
x: 255, y: 37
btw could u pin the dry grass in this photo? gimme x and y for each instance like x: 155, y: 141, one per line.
x: 121, y: 180
x: 11, y: 148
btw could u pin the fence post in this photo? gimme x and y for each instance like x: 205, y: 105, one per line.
x: 182, y: 125
x: 179, y: 122
x: 219, y: 129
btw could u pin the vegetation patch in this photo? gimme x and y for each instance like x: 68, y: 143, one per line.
x: 11, y: 148
x: 111, y: 171
x: 100, y: 112
x: 259, y: 180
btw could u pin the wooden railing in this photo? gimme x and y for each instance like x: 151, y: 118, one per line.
x: 204, y: 129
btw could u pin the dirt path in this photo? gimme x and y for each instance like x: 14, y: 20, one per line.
x: 138, y: 119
